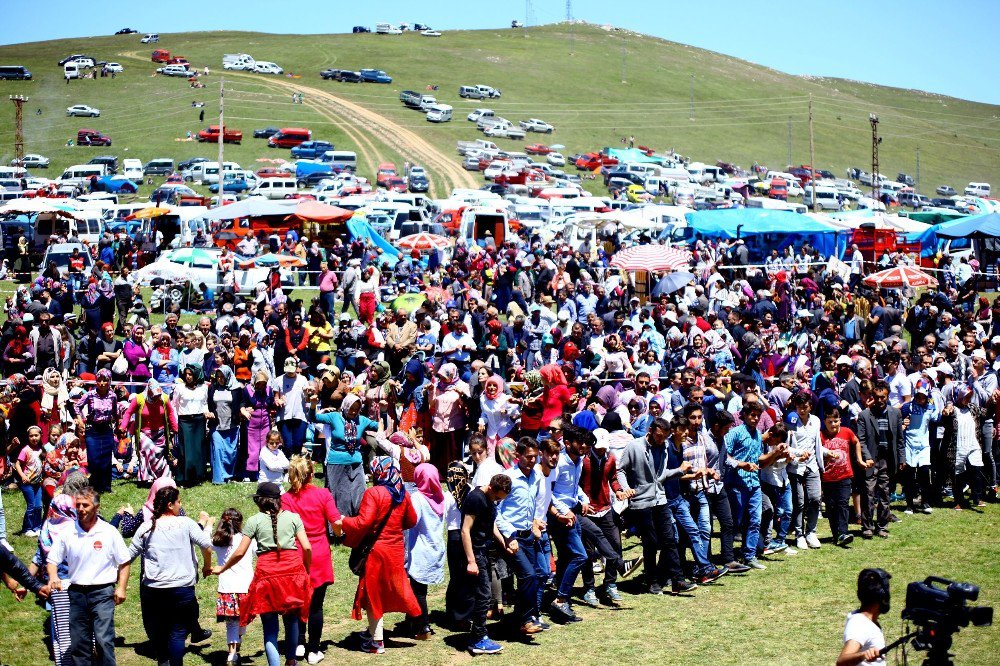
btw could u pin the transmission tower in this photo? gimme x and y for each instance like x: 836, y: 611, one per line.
x: 569, y: 10
x: 876, y: 181
x: 19, y: 101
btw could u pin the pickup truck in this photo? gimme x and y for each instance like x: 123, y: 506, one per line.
x: 211, y: 134
x: 464, y: 147
x: 375, y: 76
x: 536, y: 125
x: 411, y: 98
x: 507, y: 131
x: 311, y: 149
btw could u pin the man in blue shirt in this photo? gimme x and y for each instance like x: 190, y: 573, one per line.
x: 745, y: 448
x: 516, y: 522
x: 568, y: 500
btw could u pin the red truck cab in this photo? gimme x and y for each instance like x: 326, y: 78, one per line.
x: 211, y: 135
x: 161, y: 55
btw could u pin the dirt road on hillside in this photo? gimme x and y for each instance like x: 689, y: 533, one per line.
x: 446, y: 172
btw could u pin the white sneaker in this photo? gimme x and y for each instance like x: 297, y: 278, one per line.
x: 6, y: 544
x: 812, y: 540
x: 315, y: 657
x: 300, y: 651
x: 31, y: 533
x: 791, y: 551
x: 801, y: 543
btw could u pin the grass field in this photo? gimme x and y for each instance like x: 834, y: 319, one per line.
x: 792, y: 613
x: 568, y: 74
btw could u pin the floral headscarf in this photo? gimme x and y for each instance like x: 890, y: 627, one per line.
x: 458, y: 481
x: 386, y: 474
x: 448, y: 375
x: 60, y: 519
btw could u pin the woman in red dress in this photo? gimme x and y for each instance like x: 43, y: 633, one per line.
x: 384, y: 586
x: 318, y: 510
x: 557, y: 394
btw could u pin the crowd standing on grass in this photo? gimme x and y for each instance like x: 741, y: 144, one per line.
x: 510, y: 429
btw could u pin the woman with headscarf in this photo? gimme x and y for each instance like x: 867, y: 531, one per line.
x: 151, y: 420
x: 97, y: 411
x: 225, y: 400
x: 614, y: 363
x: 448, y: 416
x: 368, y: 289
x: 533, y: 405
x: 425, y: 545
x: 19, y: 354
x: 345, y: 474
x: 164, y: 360
x: 616, y: 415
x: 137, y: 353
x: 557, y: 395
x: 413, y: 397
x: 498, y: 413
x: 318, y: 512
x: 53, y: 401
x: 191, y: 403
x: 380, y: 398
x: 257, y: 411
x: 386, y: 511
x: 60, y: 520
x: 92, y: 302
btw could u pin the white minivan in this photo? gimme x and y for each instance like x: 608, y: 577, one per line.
x: 274, y: 188
x: 150, y: 38
x: 439, y: 113
x: 827, y: 198
x: 132, y: 169
x: 71, y: 70
x: 977, y: 190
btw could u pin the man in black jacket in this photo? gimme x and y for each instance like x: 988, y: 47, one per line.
x: 15, y: 574
x: 880, y: 429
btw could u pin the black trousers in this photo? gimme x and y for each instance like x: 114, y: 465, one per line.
x: 315, y: 625
x: 482, y: 593
x: 420, y: 592
x: 875, y: 498
x: 659, y: 544
x: 722, y: 512
x: 917, y: 481
x: 837, y: 495
x: 601, y: 538
x: 458, y: 597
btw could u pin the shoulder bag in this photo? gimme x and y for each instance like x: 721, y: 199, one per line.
x: 359, y: 555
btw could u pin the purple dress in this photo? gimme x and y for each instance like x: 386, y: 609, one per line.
x: 259, y: 424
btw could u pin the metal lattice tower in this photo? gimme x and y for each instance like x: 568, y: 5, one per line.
x: 569, y: 10
x: 876, y: 182
x: 19, y: 101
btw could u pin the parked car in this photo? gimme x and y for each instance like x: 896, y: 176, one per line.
x: 211, y: 134
x: 171, y: 194
x: 175, y: 70
x: 471, y: 163
x: 91, y: 137
x: 266, y: 132
x: 274, y: 172
x: 149, y: 38
x: 162, y: 166
x: 331, y: 74
x: 264, y: 67
x: 419, y: 183
x: 555, y: 159
x: 82, y: 110
x: 80, y: 59
x: 114, y: 68
x: 913, y: 200
x: 375, y: 76
x: 430, y: 33
x: 386, y: 170
x: 591, y: 161
x: 538, y: 149
x: 31, y: 161
x: 187, y: 164
x: 230, y: 183
x: 395, y: 184
x: 506, y: 130
x: 536, y: 125
x: 110, y: 162
x: 905, y: 179
x: 127, y: 31
x: 946, y: 190
x: 311, y: 150
x: 160, y: 55
x: 350, y: 77
x: 60, y: 253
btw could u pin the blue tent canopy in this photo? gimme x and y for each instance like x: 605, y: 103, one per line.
x: 633, y: 155
x: 986, y: 225
x: 360, y: 228
x: 786, y: 228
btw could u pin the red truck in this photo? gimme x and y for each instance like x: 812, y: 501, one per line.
x: 211, y: 135
x: 161, y: 55
x: 873, y: 242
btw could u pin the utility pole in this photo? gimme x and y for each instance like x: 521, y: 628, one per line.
x: 917, y: 179
x: 789, y: 141
x: 222, y: 133
x: 876, y: 182
x: 812, y: 154
x: 692, y: 97
x: 569, y: 26
x: 624, y: 56
x: 19, y: 101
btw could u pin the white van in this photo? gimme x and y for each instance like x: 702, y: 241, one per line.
x: 13, y: 172
x: 83, y: 172
x: 346, y: 160
x: 208, y: 172
x: 239, y: 61
x: 387, y: 29
x: 438, y: 113
x: 478, y: 114
x: 150, y: 38
x: 977, y: 190
x: 71, y: 70
x: 274, y: 188
x: 827, y: 198
x: 132, y: 169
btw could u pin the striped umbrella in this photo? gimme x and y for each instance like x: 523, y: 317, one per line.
x: 423, y: 241
x: 652, y: 258
x: 900, y: 276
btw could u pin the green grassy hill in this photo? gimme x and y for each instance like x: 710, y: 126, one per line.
x: 569, y: 75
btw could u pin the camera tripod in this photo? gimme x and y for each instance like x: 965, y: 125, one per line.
x: 936, y: 640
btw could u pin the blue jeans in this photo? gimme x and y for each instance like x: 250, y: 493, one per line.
x: 33, y: 506
x: 781, y: 500
x: 173, y: 611
x: 3, y: 520
x: 529, y: 578
x: 327, y: 300
x: 572, y: 554
x: 746, y: 503
x: 682, y: 516
x: 293, y: 434
x: 91, y: 625
x: 702, y: 513
x: 224, y: 445
x: 269, y: 623
x: 543, y: 562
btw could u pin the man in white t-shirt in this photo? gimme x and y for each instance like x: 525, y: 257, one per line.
x: 98, y: 563
x: 863, y: 638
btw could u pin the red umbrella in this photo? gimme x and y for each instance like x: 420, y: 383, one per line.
x: 900, y: 276
x: 652, y: 258
x: 423, y: 241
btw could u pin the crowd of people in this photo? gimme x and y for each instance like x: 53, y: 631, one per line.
x: 510, y: 430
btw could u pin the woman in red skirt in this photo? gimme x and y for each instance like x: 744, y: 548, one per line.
x: 384, y: 586
x: 281, y: 584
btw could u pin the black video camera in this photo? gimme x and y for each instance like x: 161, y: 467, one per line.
x: 927, y: 603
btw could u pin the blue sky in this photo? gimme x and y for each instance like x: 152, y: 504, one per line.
x: 943, y: 47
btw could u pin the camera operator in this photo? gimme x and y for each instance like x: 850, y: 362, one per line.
x: 863, y: 637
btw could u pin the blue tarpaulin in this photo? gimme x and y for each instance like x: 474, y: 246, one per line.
x: 633, y: 155
x: 783, y: 228
x: 986, y: 225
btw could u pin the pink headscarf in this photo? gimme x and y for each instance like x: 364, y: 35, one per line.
x: 428, y: 482
x: 162, y: 482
